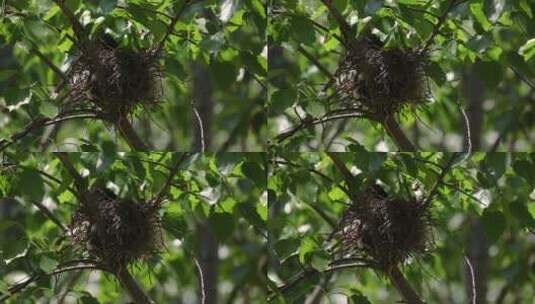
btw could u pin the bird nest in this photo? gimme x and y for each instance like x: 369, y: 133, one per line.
x: 115, y: 80
x: 378, y: 82
x: 116, y: 231
x: 386, y: 231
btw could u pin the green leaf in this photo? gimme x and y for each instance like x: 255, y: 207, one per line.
x: 358, y: 298
x: 31, y: 184
x: 524, y: 5
x: 224, y: 73
x: 173, y: 221
x: 282, y: 99
x: 528, y: 49
x: 47, y: 264
x: 494, y: 224
x: 302, y: 30
x: 308, y: 245
x: 286, y: 247
x: 525, y: 169
x: 477, y: 10
x: 494, y: 164
x: 255, y: 172
x: 222, y: 225
x: 519, y: 210
x: 248, y: 211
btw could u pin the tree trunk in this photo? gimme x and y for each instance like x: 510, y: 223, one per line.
x: 476, y: 245
x: 208, y: 248
x: 203, y: 103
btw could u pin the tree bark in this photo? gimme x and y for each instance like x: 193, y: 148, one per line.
x: 476, y: 245
x: 137, y: 294
x: 394, y: 131
x: 202, y: 100
x: 208, y: 248
x: 401, y: 284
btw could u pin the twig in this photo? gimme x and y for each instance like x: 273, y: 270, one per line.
x: 346, y: 174
x: 400, y: 139
x: 344, y: 26
x: 468, y: 132
x: 471, y: 268
x: 306, y: 123
x: 171, y: 26
x: 50, y: 64
x: 42, y: 122
x: 315, y: 61
x: 156, y: 202
x: 437, y: 26
x: 21, y: 285
x: 76, y: 25
x: 439, y: 181
x: 523, y: 78
x: 50, y: 215
x: 201, y: 280
x: 200, y: 126
x: 79, y: 181
x: 346, y: 191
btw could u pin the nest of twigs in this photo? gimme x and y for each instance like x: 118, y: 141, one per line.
x: 378, y: 81
x: 115, y: 80
x: 386, y: 231
x: 116, y: 231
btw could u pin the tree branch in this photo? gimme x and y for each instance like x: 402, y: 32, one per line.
x: 50, y: 215
x: 14, y: 289
x: 443, y: 173
x: 45, y: 121
x: 345, y: 28
x: 129, y: 134
x: 79, y: 181
x: 400, y: 139
x: 346, y: 174
x: 171, y: 26
x: 436, y: 27
x: 156, y: 202
x: 76, y: 25
x: 401, y: 284
x: 126, y: 280
x: 306, y: 123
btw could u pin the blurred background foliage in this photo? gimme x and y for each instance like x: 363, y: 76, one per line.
x: 221, y: 196
x: 215, y: 57
x: 484, y: 210
x: 483, y: 61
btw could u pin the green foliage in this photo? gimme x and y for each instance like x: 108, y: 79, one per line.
x: 306, y: 204
x: 207, y: 191
x: 222, y: 59
x: 483, y: 53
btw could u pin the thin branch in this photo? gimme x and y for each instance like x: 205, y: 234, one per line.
x: 346, y: 173
x: 346, y: 191
x: 200, y: 126
x: 76, y: 25
x: 306, y: 123
x: 50, y: 64
x: 171, y: 26
x: 436, y: 27
x: 523, y: 78
x: 201, y: 280
x: 308, y: 273
x: 468, y: 131
x: 79, y: 181
x: 439, y: 181
x: 42, y: 122
x: 315, y: 62
x: 156, y: 202
x: 50, y: 215
x: 347, y: 32
x: 14, y: 289
x: 471, y: 268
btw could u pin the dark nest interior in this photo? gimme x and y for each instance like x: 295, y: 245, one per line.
x: 114, y: 79
x: 116, y: 231
x: 378, y: 81
x: 384, y: 230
